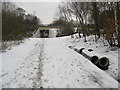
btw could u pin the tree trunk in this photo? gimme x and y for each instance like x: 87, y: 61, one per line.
x: 96, y: 17
x: 118, y: 22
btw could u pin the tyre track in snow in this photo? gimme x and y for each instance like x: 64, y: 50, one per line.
x: 39, y: 71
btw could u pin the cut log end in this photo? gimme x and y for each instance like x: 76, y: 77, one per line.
x: 95, y: 60
x: 104, y: 63
x: 81, y: 50
x: 90, y: 50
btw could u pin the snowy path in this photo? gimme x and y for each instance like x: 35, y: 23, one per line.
x: 49, y: 63
x: 64, y: 68
x: 21, y: 65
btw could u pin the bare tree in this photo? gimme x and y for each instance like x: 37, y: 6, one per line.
x: 82, y: 12
x: 65, y: 13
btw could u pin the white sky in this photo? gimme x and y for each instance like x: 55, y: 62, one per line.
x: 46, y: 11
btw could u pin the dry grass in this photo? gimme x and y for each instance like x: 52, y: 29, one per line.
x: 9, y: 44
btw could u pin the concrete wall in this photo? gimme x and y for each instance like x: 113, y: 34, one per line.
x: 36, y: 34
x: 52, y: 33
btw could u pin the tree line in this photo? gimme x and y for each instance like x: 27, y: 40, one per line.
x: 101, y: 19
x: 16, y: 24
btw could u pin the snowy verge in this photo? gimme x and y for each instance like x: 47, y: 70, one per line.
x: 20, y: 65
x: 100, y: 48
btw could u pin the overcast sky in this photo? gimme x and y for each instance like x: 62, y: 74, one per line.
x: 46, y: 11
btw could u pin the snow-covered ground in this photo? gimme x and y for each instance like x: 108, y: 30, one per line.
x: 0, y: 71
x: 50, y: 63
x: 100, y: 50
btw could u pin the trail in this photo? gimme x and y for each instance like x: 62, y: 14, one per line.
x: 65, y: 68
x: 50, y: 63
x: 22, y: 66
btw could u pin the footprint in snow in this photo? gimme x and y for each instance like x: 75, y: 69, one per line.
x: 46, y: 80
x: 35, y: 68
x: 81, y: 68
x: 21, y: 66
x: 46, y: 58
x: 53, y: 66
x: 31, y: 72
x: 60, y: 59
x: 29, y: 78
